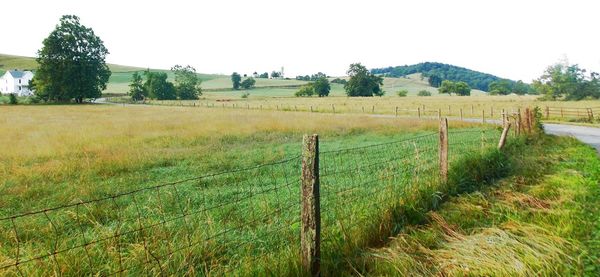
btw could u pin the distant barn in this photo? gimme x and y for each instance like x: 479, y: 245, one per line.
x: 16, y: 82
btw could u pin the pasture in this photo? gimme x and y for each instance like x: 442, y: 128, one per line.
x: 219, y: 185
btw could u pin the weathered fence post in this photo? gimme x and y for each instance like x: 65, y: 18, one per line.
x: 528, y: 120
x: 590, y: 115
x: 561, y: 113
x: 363, y: 109
x: 311, y: 110
x: 503, y: 118
x: 310, y: 233
x: 472, y: 110
x: 504, y: 135
x: 396, y: 110
x: 519, y: 122
x: 492, y: 112
x: 419, y: 112
x: 333, y: 107
x: 439, y: 113
x: 461, y: 114
x: 547, y: 112
x: 483, y: 116
x: 373, y: 109
x: 443, y: 150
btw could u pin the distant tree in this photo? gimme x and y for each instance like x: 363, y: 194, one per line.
x: 71, y: 63
x: 520, y: 88
x: 264, y: 75
x: 12, y: 99
x: 424, y: 93
x: 275, y: 74
x: 136, y: 88
x: 462, y: 89
x: 187, y: 82
x: 362, y: 82
x: 500, y: 87
x: 321, y: 87
x: 447, y: 87
x: 339, y: 81
x: 434, y: 80
x: 158, y: 87
x: 248, y: 83
x: 236, y: 80
x: 402, y: 93
x: 305, y: 90
x: 570, y: 82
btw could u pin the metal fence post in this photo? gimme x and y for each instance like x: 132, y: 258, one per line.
x: 310, y: 233
x: 443, y: 150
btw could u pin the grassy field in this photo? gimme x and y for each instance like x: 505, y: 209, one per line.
x: 472, y: 107
x: 543, y: 221
x: 96, y: 152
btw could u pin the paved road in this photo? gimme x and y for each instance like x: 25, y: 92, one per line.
x: 589, y: 135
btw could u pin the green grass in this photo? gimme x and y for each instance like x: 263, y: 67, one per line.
x: 543, y: 221
x: 243, y: 222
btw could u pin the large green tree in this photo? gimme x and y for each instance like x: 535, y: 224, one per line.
x: 459, y: 88
x: 187, y: 83
x: 71, y: 63
x: 136, y: 88
x: 322, y: 87
x: 500, y: 87
x: 362, y: 82
x: 236, y: 80
x: 248, y: 83
x: 158, y: 87
x: 568, y: 82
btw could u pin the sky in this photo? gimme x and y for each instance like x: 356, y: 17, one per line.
x: 510, y: 39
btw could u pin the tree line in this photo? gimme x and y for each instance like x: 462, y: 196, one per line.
x: 437, y: 72
x: 568, y: 82
x: 155, y: 85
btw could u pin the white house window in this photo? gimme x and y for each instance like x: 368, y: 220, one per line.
x: 19, y: 88
x: 19, y: 81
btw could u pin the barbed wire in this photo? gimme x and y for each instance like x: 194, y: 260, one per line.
x: 207, y: 221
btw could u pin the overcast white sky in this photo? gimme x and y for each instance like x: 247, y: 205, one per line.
x: 508, y: 38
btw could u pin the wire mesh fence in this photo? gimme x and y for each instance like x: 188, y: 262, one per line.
x: 224, y: 222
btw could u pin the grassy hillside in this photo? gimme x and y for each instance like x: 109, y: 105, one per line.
x: 8, y: 62
x: 475, y: 79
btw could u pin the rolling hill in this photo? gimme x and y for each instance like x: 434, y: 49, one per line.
x: 475, y: 79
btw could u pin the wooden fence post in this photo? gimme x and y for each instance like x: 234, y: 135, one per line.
x: 333, y: 107
x: 373, y: 109
x: 461, y: 114
x: 492, y: 112
x: 483, y: 116
x: 396, y: 110
x: 528, y: 120
x: 561, y: 113
x: 310, y: 232
x: 519, y: 122
x: 472, y: 110
x: 547, y: 112
x: 503, y: 118
x: 443, y: 150
x: 419, y: 112
x: 504, y: 135
x: 439, y: 113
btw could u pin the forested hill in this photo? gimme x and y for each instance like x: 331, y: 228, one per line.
x: 475, y: 79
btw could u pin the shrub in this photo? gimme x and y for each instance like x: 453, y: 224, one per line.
x: 245, y: 95
x: 424, y: 93
x: 402, y: 93
x: 12, y: 99
x: 306, y: 90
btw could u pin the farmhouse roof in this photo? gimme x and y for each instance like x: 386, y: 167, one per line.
x: 17, y: 73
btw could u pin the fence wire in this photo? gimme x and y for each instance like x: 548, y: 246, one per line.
x: 217, y: 224
x: 200, y: 223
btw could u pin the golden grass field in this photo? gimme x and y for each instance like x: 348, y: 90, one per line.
x: 66, y: 152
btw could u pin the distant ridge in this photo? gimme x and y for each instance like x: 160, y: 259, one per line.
x: 475, y: 79
x: 8, y: 62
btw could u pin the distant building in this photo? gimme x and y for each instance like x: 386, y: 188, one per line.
x: 16, y: 82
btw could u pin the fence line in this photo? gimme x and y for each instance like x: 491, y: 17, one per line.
x: 421, y: 111
x: 221, y: 222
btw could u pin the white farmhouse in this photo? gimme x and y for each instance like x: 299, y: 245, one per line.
x: 17, y: 82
